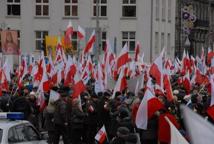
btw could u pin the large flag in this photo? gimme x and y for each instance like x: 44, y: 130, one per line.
x: 101, y: 136
x: 200, y: 130
x: 148, y: 106
x: 176, y: 137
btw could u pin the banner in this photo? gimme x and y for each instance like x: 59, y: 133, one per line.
x: 51, y: 44
x: 9, y: 43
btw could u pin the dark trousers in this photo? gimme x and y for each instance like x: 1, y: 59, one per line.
x: 60, y: 130
x: 77, y: 136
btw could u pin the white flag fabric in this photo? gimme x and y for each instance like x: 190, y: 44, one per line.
x: 200, y: 130
x: 142, y: 113
x: 176, y: 137
x: 54, y: 96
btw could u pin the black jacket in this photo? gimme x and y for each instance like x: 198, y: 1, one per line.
x: 60, y: 114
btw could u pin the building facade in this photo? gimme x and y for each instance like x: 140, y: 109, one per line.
x: 151, y: 22
x: 202, y: 33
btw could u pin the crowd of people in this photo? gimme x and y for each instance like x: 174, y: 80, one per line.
x: 78, y: 120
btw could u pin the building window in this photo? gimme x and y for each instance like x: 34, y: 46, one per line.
x: 168, y: 43
x: 129, y: 38
x: 42, y: 7
x: 103, y: 39
x: 74, y: 41
x: 163, y: 10
x: 102, y: 8
x: 156, y: 43
x: 71, y: 8
x: 40, y: 39
x: 162, y: 40
x: 13, y: 7
x: 169, y: 10
x: 157, y: 9
x: 129, y: 8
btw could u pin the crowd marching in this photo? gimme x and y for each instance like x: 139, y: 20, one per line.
x: 72, y: 98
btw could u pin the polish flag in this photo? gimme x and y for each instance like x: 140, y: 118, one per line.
x: 78, y: 87
x: 123, y: 57
x: 90, y: 43
x: 175, y: 135
x: 81, y: 33
x: 4, y: 83
x: 148, y: 106
x: 168, y: 87
x: 137, y: 51
x: 156, y: 69
x: 101, y: 136
x: 186, y: 83
x: 68, y: 33
x: 121, y: 83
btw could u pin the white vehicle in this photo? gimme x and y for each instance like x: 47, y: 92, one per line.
x: 18, y: 131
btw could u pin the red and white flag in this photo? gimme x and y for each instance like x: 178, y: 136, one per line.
x: 148, y: 106
x: 187, y: 83
x: 78, y: 87
x: 121, y: 83
x: 69, y: 33
x: 123, y: 57
x: 90, y: 43
x: 175, y: 135
x: 81, y: 33
x: 101, y: 136
x: 156, y: 69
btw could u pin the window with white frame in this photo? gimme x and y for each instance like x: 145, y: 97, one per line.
x: 40, y: 39
x: 103, y: 39
x: 71, y: 8
x: 168, y: 43
x: 156, y: 42
x: 129, y: 38
x: 169, y: 10
x: 162, y: 40
x: 163, y: 10
x: 13, y: 7
x: 102, y: 8
x: 42, y: 7
x: 129, y: 8
x: 157, y: 6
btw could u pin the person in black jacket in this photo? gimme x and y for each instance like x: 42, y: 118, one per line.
x: 60, y: 119
x: 77, y: 122
x: 92, y: 118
